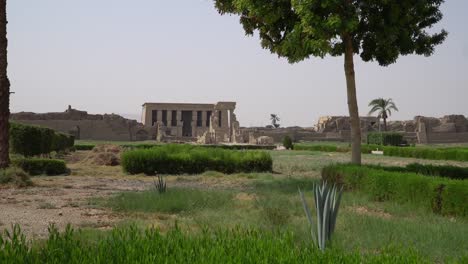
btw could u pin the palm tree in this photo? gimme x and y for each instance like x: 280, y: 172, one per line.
x: 274, y: 120
x: 4, y: 89
x: 384, y: 109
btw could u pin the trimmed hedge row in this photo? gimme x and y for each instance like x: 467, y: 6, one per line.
x: 385, y: 138
x: 84, y: 147
x: 441, y: 195
x: 180, y: 159
x: 233, y: 147
x: 458, y: 154
x: 446, y: 171
x: 50, y: 167
x: 33, y: 140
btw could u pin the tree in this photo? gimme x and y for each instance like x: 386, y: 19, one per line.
x: 384, y: 108
x: 376, y: 30
x: 274, y: 120
x: 4, y: 89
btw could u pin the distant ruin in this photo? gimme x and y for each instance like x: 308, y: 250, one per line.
x: 217, y: 123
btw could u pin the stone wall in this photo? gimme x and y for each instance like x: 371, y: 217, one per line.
x: 87, y: 126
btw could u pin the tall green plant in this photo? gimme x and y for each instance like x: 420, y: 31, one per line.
x: 383, y: 108
x: 327, y: 202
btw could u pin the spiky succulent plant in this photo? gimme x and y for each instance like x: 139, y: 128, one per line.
x: 327, y: 202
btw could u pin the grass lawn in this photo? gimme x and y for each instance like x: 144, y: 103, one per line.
x: 269, y: 202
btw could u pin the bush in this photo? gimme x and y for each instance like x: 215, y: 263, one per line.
x: 36, y: 166
x: 179, y: 159
x: 440, y: 195
x: 385, y: 138
x: 15, y: 176
x: 84, y: 147
x: 287, y: 142
x: 33, y: 140
x: 132, y: 245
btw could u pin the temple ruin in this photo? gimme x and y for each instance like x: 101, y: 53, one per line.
x: 204, y: 123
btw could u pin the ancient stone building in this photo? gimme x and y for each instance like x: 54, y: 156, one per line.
x: 88, y: 126
x: 205, y: 123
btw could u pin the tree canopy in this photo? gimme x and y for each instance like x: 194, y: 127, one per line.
x: 381, y: 30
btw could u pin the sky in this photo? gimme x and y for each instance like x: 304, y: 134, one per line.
x: 111, y: 56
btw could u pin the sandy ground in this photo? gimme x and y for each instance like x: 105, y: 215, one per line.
x: 61, y: 200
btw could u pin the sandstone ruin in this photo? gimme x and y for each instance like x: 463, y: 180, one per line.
x: 217, y: 123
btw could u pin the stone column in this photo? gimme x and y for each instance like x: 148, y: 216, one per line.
x: 160, y: 116
x: 194, y: 123
x: 179, y: 123
x: 224, y: 119
x: 169, y: 118
x: 204, y: 117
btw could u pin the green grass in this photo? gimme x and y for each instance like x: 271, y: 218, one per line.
x: 131, y: 245
x: 175, y: 200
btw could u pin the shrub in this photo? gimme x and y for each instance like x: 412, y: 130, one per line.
x: 232, y: 147
x: 36, y: 166
x: 440, y: 195
x: 385, y: 138
x: 33, y: 140
x: 84, y: 147
x: 287, y: 142
x: 16, y: 176
x: 179, y: 159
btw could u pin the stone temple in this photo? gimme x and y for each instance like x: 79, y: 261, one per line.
x: 205, y: 123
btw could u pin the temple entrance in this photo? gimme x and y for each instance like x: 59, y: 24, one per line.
x: 187, y: 123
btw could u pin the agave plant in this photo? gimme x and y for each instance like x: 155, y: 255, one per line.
x: 327, y: 202
x: 160, y: 184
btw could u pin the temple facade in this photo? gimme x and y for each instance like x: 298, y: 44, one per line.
x: 206, y: 123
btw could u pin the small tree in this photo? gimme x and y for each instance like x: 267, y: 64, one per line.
x: 287, y: 142
x: 274, y: 120
x: 376, y: 30
x: 384, y: 109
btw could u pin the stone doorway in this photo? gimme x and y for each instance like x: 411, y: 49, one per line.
x: 187, y: 123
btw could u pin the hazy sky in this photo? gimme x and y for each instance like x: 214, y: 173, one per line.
x: 111, y: 56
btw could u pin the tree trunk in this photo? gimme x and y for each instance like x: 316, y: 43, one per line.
x: 352, y: 101
x: 385, y: 124
x: 4, y: 89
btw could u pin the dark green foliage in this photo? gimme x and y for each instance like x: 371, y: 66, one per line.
x: 386, y: 139
x: 180, y: 159
x: 132, y: 245
x: 380, y: 30
x: 446, y: 171
x: 35, y: 166
x: 16, y: 176
x: 33, y: 140
x: 440, y: 195
x: 84, y: 147
x: 287, y: 142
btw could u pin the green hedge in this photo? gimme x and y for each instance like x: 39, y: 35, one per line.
x: 84, y: 147
x: 441, y: 195
x: 35, y: 166
x: 446, y: 171
x: 233, y: 147
x: 33, y: 140
x: 458, y: 154
x: 385, y: 138
x: 180, y: 159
